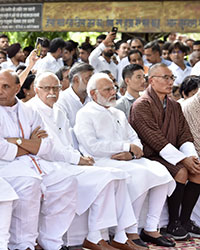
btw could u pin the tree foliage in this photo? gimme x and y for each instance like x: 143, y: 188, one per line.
x: 29, y: 38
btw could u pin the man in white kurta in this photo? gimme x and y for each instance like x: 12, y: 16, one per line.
x: 97, y: 194
x: 52, y: 62
x: 104, y: 133
x: 75, y: 97
x: 46, y: 216
x: 7, y: 198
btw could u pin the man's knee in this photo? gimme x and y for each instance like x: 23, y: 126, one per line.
x: 182, y: 175
x: 194, y: 178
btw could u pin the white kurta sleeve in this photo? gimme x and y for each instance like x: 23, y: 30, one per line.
x: 172, y: 154
x: 8, y: 151
x: 93, y: 58
x: 188, y: 149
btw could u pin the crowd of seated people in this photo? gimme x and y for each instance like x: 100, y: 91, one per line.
x: 106, y: 135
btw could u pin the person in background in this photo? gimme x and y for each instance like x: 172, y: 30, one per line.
x: 84, y: 52
x: 99, y: 39
x: 3, y: 57
x: 101, y: 57
x: 4, y: 42
x: 194, y: 58
x: 152, y: 52
x: 165, y: 51
x: 63, y: 76
x: 121, y: 48
x: 52, y: 62
x: 175, y: 93
x: 68, y: 54
x: 27, y: 50
x: 177, y: 52
x: 27, y: 89
x: 16, y: 56
x: 189, y: 87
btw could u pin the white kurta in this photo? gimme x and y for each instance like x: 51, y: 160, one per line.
x: 103, y: 132
x: 50, y: 64
x: 179, y: 73
x: 70, y: 104
x: 7, y: 193
x: 97, y: 178
x: 10, y: 165
x: 99, y: 62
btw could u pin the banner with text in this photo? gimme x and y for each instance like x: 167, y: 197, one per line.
x: 127, y: 16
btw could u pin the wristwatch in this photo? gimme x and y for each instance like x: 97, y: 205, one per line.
x: 133, y: 156
x: 19, y: 141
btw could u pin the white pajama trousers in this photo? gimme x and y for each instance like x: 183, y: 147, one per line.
x: 49, y: 218
x: 112, y: 208
x: 156, y: 200
x: 5, y: 220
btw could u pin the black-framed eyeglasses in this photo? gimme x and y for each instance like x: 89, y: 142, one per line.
x: 167, y: 77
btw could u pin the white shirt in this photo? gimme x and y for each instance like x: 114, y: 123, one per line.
x: 9, y: 65
x: 99, y: 62
x: 179, y: 73
x: 10, y: 165
x: 50, y: 64
x: 70, y: 104
x: 196, y: 69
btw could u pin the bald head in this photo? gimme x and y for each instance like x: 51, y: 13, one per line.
x: 9, y: 87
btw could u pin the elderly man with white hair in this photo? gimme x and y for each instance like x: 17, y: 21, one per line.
x: 103, y: 192
x: 47, y: 192
x: 7, y: 198
x: 104, y: 133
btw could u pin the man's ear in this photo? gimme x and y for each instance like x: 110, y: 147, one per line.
x: 93, y: 94
x: 18, y: 88
x: 127, y: 81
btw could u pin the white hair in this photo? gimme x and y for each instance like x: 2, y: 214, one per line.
x: 44, y: 75
x: 92, y: 83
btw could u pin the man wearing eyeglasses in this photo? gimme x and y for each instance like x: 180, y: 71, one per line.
x: 104, y: 133
x: 177, y: 52
x: 166, y: 138
x: 96, y: 194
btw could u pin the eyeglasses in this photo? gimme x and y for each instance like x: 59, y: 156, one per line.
x: 48, y: 88
x: 166, y: 77
x: 114, y: 88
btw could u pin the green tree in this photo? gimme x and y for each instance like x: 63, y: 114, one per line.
x: 29, y: 38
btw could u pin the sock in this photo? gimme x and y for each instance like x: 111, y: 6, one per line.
x: 120, y: 237
x: 94, y: 237
x: 174, y: 202
x: 191, y: 195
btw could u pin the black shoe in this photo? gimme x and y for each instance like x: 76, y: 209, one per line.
x: 160, y: 241
x: 64, y: 248
x: 177, y: 231
x: 192, y: 228
x: 140, y: 242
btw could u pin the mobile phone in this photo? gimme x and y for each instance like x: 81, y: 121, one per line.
x: 114, y: 29
x: 38, y: 46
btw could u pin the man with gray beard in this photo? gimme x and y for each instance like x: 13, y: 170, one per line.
x: 104, y: 133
